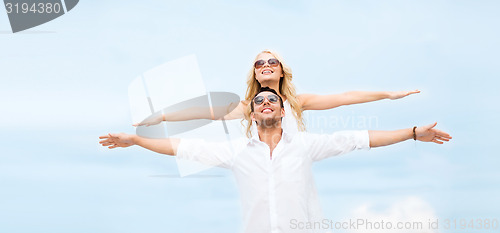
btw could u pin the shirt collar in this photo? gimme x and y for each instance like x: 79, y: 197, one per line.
x: 284, y: 136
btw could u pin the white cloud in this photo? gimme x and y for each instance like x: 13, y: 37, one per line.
x: 412, y: 214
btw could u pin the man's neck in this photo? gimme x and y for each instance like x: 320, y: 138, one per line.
x: 271, y: 136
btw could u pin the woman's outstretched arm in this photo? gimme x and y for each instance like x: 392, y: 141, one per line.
x: 229, y: 112
x: 323, y: 102
x: 236, y: 113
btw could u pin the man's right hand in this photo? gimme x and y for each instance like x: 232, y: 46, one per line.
x: 429, y: 134
x: 117, y: 140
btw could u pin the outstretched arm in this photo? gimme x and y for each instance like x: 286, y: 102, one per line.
x: 323, y: 102
x: 166, y: 146
x: 424, y: 133
x: 229, y: 112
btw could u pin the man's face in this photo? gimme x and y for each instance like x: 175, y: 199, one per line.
x: 268, y: 112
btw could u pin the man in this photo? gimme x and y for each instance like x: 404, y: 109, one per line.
x: 273, y: 168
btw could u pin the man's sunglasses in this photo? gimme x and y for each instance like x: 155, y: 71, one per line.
x: 258, y: 100
x: 272, y: 62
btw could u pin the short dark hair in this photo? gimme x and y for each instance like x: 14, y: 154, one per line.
x: 263, y: 89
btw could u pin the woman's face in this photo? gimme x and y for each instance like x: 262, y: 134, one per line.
x: 267, y: 73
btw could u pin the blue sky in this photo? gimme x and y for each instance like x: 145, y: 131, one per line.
x: 65, y: 83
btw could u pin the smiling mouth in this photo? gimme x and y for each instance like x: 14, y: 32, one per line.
x: 267, y: 110
x: 267, y: 72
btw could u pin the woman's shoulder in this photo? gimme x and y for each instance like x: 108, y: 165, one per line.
x: 287, y: 105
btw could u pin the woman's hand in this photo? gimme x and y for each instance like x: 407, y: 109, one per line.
x: 429, y: 134
x: 400, y: 94
x: 151, y: 120
x: 117, y: 140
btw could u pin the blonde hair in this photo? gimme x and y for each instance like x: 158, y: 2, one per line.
x: 286, y: 89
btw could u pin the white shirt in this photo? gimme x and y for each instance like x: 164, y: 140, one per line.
x: 275, y: 191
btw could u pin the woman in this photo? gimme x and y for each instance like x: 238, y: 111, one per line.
x: 269, y: 70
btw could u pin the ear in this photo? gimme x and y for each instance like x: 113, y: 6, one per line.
x: 282, y: 112
x: 252, y: 116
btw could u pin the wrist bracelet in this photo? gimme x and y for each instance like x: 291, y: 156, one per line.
x: 414, y: 134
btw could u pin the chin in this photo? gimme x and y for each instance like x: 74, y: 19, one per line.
x: 268, y: 79
x: 269, y: 122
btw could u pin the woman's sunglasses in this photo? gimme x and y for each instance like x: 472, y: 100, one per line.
x: 272, y: 62
x: 258, y: 100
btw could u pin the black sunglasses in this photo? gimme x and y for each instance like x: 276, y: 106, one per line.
x: 272, y: 62
x: 258, y: 100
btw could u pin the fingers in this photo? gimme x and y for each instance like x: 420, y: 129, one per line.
x: 113, y: 140
x: 442, y: 134
x: 413, y: 92
x: 109, y: 144
x: 443, y: 138
x: 109, y: 140
x: 106, y: 142
x: 436, y: 141
x: 440, y: 139
x: 109, y: 136
x: 407, y: 93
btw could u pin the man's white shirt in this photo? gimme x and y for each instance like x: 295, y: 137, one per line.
x: 275, y: 191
